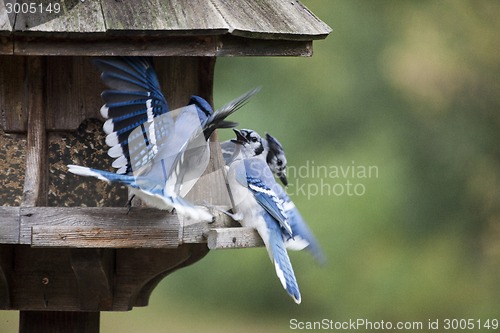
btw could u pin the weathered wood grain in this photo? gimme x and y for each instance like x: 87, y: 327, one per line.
x: 165, y: 28
x: 56, y: 279
x: 233, y: 238
x: 93, y: 270
x: 96, y: 224
x: 75, y: 16
x: 195, y: 17
x: 196, y: 232
x: 199, y: 46
x: 99, y: 237
x: 138, y: 271
x: 6, y: 27
x: 35, y: 181
x: 239, y: 46
x: 271, y: 19
x: 6, y: 267
x: 9, y: 225
x: 73, y: 92
x: 13, y: 92
x: 6, y: 45
x: 105, y: 45
x: 265, y: 19
x: 179, y: 79
x: 42, y: 279
x: 106, y: 227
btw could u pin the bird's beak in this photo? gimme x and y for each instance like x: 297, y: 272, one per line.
x: 240, y: 138
x: 283, y: 179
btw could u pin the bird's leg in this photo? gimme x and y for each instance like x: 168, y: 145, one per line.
x: 129, y: 203
x: 236, y: 217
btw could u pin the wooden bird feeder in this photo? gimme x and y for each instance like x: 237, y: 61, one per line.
x: 65, y: 252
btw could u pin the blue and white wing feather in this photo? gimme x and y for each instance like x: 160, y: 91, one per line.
x: 135, y: 99
x: 268, y: 200
x: 149, y: 190
x: 303, y: 237
x: 261, y: 209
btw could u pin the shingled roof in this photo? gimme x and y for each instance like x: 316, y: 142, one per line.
x: 161, y: 27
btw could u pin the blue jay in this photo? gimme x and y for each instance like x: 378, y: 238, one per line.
x: 276, y: 158
x: 159, y: 153
x: 261, y: 203
x: 251, y: 144
x: 270, y: 148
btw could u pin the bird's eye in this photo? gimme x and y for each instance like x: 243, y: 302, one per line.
x: 279, y: 162
x: 254, y: 139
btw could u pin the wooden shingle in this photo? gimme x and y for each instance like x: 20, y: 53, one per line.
x: 161, y: 28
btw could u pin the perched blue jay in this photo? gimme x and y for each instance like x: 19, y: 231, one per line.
x: 252, y: 144
x: 270, y: 148
x: 276, y: 158
x: 159, y: 153
x: 261, y: 203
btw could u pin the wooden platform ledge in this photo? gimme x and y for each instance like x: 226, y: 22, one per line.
x: 98, y: 227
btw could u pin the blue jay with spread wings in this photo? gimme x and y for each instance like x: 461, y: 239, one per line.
x: 261, y: 203
x: 159, y: 153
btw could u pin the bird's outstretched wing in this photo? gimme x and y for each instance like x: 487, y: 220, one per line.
x: 134, y: 101
x: 148, y: 190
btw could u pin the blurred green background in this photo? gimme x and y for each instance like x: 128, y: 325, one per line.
x: 409, y: 87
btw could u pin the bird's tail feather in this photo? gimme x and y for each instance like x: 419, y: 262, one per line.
x: 282, y: 264
x: 153, y: 197
x: 217, y: 119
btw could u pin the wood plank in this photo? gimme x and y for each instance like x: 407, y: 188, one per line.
x: 196, y: 252
x: 267, y: 19
x: 96, y: 217
x: 179, y: 79
x: 58, y: 279
x: 74, y: 16
x: 113, y: 227
x: 131, y: 45
x: 239, y: 47
x: 6, y: 45
x: 36, y: 174
x: 6, y: 27
x: 233, y: 238
x: 58, y: 322
x: 165, y: 28
x: 93, y: 269
x: 138, y: 271
x: 272, y: 19
x: 207, y: 46
x: 13, y: 92
x: 73, y: 92
x: 194, y: 17
x: 99, y: 237
x: 9, y: 225
x: 6, y: 267
x: 196, y: 232
x: 43, y: 279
